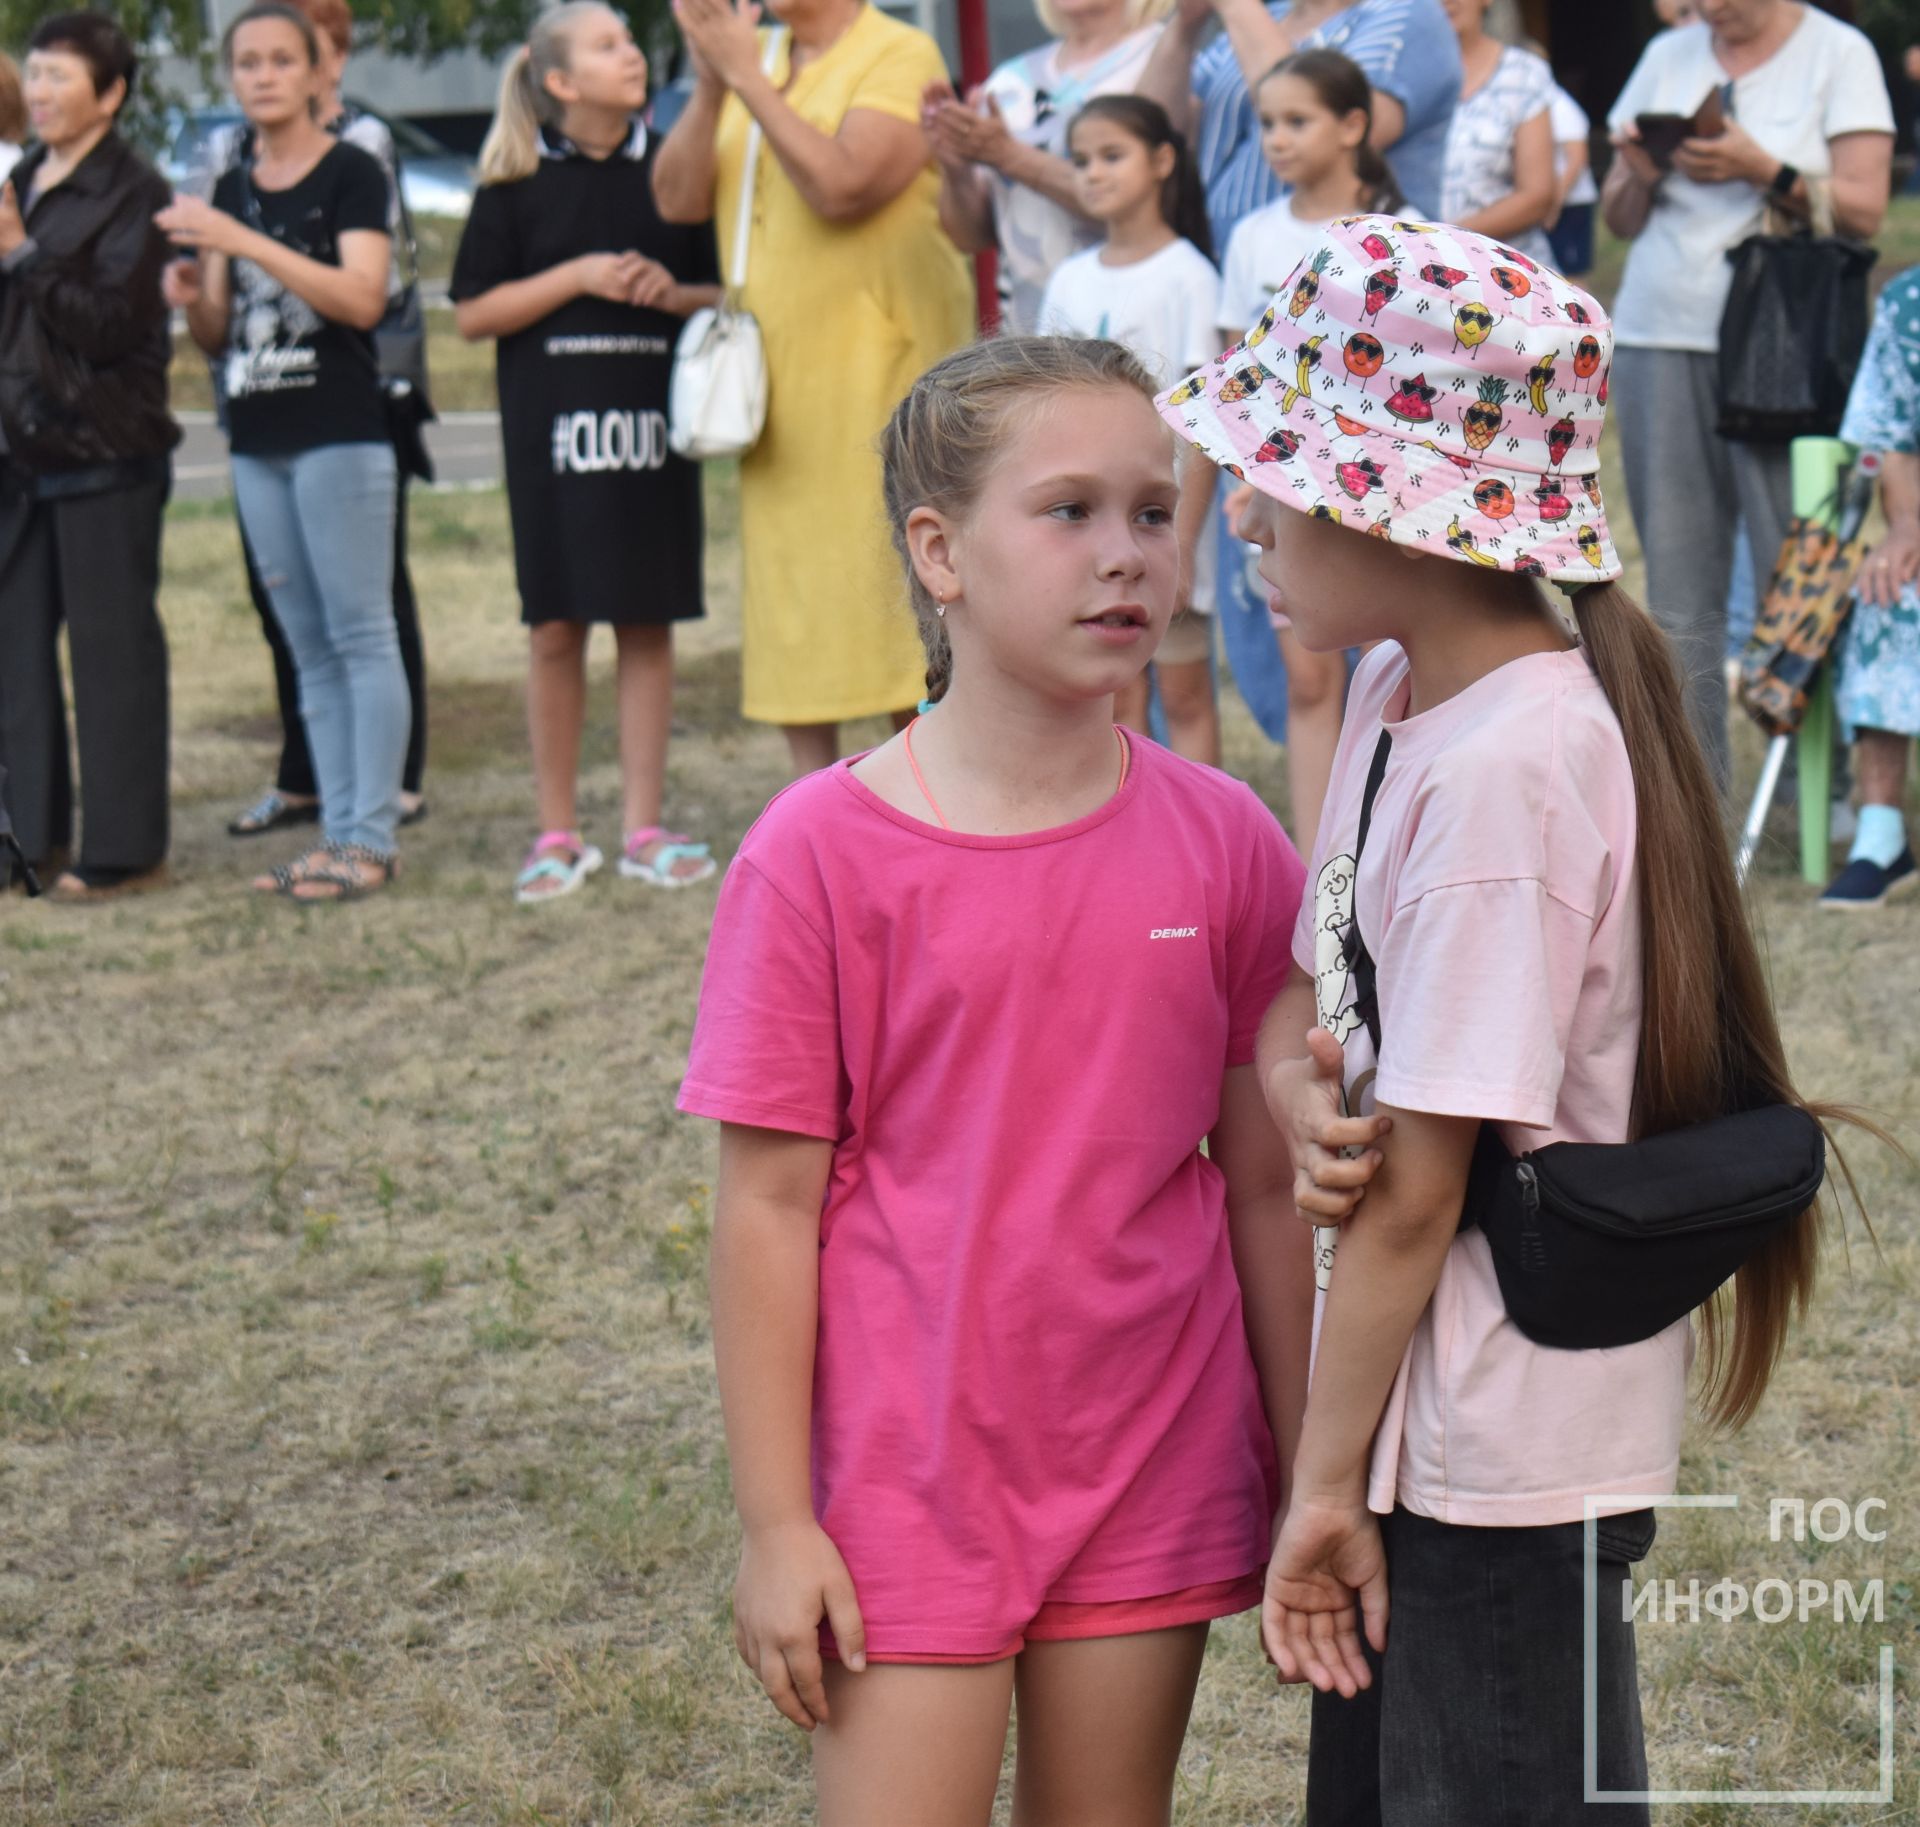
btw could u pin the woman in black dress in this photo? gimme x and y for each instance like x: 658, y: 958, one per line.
x: 567, y: 262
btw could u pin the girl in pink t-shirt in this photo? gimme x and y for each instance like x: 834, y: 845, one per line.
x: 972, y: 1006
x: 1523, y: 832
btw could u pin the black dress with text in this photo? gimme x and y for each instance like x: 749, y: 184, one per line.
x: 606, y: 520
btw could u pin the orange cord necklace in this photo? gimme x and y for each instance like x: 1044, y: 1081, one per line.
x: 920, y: 780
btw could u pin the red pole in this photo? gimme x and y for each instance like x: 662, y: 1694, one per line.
x: 976, y: 63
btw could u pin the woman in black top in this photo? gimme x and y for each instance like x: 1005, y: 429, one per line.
x: 566, y: 261
x: 83, y: 411
x: 292, y: 278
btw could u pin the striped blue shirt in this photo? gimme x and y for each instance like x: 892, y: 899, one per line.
x: 1408, y: 50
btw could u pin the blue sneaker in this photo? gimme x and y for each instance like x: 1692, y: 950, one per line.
x: 1864, y: 883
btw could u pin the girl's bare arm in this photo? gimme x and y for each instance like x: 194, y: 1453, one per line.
x: 765, y: 1286
x: 1272, y: 1254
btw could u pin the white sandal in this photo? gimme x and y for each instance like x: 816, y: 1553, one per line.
x: 548, y: 861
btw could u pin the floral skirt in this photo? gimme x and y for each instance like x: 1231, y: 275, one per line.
x: 1879, y: 678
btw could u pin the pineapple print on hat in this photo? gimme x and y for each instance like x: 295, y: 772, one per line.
x: 1485, y: 416
x: 1307, y: 287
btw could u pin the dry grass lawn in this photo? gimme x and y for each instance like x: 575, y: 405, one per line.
x: 359, y: 1457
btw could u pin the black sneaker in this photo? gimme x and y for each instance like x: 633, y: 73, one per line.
x: 1864, y: 883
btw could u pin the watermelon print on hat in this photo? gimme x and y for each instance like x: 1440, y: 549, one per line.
x: 1427, y: 385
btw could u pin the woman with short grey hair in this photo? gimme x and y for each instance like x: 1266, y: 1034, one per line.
x: 1805, y: 108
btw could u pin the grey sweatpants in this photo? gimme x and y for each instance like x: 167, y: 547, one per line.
x: 1689, y: 489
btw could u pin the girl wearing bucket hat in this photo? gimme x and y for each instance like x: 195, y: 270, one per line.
x: 1521, y: 834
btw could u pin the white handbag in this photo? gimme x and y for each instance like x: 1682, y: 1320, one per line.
x: 717, y: 399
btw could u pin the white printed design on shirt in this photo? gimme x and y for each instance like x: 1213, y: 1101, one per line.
x: 587, y: 442
x: 271, y: 352
x: 1334, y: 1007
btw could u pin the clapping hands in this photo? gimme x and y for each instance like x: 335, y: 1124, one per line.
x: 966, y: 133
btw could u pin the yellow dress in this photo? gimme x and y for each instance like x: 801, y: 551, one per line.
x: 851, y: 313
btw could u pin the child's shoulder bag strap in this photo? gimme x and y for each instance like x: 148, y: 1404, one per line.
x: 1366, y: 989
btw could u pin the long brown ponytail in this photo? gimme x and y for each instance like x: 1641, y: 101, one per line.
x: 1709, y: 1042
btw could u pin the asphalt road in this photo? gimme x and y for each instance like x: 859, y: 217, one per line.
x: 465, y: 447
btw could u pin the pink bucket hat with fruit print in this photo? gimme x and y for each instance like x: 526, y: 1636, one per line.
x: 1426, y: 385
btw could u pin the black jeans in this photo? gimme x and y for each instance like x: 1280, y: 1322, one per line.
x: 295, y: 772
x: 1476, y: 1716
x: 93, y: 562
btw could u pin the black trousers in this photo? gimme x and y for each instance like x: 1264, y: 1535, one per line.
x: 92, y: 562
x: 1476, y: 1715
x: 295, y: 773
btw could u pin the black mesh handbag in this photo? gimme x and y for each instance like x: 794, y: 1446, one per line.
x: 1791, y: 335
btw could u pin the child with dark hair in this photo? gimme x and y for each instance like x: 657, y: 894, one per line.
x: 1152, y: 288
x: 1316, y: 128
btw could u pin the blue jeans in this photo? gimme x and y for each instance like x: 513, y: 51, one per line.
x: 1246, y: 632
x: 320, y: 526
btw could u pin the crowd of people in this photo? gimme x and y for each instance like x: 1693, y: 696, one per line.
x: 1151, y: 174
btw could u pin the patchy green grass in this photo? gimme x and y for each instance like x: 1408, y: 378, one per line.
x: 359, y: 1456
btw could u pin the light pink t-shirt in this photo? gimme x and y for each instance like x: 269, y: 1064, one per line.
x: 1032, y: 1379
x: 1497, y: 896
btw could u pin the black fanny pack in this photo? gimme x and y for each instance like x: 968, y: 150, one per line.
x: 1604, y: 1244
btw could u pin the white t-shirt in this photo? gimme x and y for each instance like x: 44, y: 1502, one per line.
x: 1163, y: 309
x: 1572, y: 128
x: 1479, y: 167
x: 1265, y: 248
x: 1824, y: 81
x: 1038, y: 100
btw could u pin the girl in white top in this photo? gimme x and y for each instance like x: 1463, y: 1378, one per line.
x: 1316, y: 122
x: 1005, y: 179
x: 1498, y: 178
x: 1152, y: 288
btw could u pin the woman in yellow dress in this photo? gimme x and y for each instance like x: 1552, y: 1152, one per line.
x: 857, y: 290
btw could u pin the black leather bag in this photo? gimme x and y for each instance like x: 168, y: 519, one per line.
x: 1791, y: 335
x: 1603, y: 1244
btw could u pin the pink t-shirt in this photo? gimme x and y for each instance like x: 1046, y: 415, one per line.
x: 1497, y: 896
x: 1032, y: 1378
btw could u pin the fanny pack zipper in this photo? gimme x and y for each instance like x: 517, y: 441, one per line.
x: 1532, y: 1199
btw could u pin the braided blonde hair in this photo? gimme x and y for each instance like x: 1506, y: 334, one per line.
x: 940, y: 444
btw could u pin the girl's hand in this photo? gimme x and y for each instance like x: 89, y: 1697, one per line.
x: 1891, y: 566
x: 13, y: 229
x: 652, y: 283
x: 1303, y: 1096
x: 791, y: 1576
x: 721, y: 37
x: 181, y: 284
x: 191, y: 222
x: 1328, y: 1556
x: 610, y: 276
x: 1237, y: 502
x: 1732, y: 156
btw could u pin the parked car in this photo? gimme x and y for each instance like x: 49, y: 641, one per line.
x: 434, y: 179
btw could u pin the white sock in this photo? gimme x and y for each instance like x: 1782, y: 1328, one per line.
x: 1881, y: 837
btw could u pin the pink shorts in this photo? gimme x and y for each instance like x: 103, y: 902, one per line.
x: 1067, y: 1621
